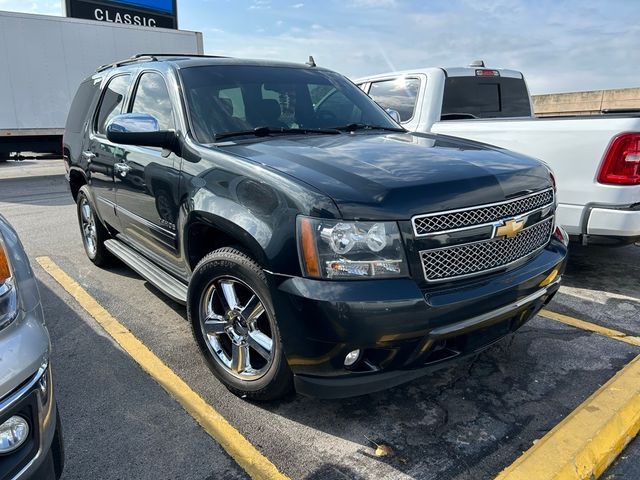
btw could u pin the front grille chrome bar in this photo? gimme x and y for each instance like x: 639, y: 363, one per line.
x: 482, y: 215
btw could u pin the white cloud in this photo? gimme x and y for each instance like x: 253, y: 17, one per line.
x: 297, y: 5
x: 260, y: 5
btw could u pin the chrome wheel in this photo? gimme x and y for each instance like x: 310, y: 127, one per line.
x: 237, y: 328
x: 88, y: 226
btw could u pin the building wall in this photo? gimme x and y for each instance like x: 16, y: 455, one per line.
x: 585, y: 103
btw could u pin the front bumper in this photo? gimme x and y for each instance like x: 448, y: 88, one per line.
x: 26, y: 389
x: 403, y: 330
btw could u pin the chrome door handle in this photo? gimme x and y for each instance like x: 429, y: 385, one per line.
x: 87, y: 155
x: 121, y: 169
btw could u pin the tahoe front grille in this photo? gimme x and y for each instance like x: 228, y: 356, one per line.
x: 481, y: 257
x: 432, y: 223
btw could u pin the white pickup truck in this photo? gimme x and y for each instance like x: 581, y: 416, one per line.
x: 596, y: 159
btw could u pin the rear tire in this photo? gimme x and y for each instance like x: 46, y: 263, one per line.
x: 231, y: 313
x: 93, y: 232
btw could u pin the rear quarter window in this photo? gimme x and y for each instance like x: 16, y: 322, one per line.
x: 80, y: 106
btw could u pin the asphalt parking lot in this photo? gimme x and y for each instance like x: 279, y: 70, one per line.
x: 469, y: 421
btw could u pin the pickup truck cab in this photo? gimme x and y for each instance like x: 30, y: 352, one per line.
x: 596, y: 159
x: 315, y: 242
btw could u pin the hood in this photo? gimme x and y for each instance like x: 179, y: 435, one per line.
x: 397, y: 175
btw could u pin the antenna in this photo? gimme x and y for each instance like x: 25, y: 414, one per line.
x: 477, y: 63
x: 311, y: 62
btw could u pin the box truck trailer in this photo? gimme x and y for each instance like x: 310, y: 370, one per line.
x: 44, y: 58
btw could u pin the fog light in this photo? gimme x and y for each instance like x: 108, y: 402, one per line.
x: 351, y: 358
x: 13, y: 433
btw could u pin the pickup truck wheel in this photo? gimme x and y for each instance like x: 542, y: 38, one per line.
x: 233, y: 321
x: 94, y: 234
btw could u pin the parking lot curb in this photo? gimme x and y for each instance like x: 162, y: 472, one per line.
x: 236, y: 445
x: 587, y: 441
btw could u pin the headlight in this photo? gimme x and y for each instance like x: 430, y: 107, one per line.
x: 337, y: 249
x: 8, y: 296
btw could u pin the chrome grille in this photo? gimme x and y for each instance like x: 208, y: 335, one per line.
x: 482, y: 257
x: 468, y: 217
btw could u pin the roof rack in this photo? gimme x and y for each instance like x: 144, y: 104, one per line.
x: 151, y: 57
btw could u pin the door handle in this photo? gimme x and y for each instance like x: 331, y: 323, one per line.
x: 87, y: 155
x: 121, y: 169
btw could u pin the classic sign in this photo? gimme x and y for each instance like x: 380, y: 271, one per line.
x: 147, y: 13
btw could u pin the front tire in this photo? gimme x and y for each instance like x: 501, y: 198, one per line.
x: 94, y: 234
x: 233, y: 320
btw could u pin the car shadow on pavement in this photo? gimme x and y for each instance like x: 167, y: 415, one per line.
x: 609, y: 269
x: 602, y: 285
x: 46, y: 190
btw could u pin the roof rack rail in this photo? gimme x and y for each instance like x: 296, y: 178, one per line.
x: 151, y: 57
x: 197, y: 55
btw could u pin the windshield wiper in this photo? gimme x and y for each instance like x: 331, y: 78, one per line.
x: 266, y: 131
x: 352, y: 127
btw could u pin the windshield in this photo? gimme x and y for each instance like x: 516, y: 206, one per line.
x: 224, y: 99
x: 485, y: 97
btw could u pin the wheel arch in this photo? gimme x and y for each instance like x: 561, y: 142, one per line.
x: 205, y: 232
x: 77, y: 179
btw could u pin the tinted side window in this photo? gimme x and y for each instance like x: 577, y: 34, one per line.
x: 399, y: 94
x: 80, y: 106
x: 152, y: 97
x: 112, y: 99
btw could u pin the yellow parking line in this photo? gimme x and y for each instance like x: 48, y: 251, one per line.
x: 585, y: 443
x: 238, y: 447
x: 592, y: 327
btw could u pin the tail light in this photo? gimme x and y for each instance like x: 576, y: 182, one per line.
x: 621, y: 165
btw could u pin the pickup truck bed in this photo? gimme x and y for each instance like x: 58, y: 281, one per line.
x: 576, y: 148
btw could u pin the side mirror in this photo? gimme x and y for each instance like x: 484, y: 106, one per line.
x: 393, y: 114
x: 140, y: 129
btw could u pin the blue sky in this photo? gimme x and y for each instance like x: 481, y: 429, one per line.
x: 559, y: 45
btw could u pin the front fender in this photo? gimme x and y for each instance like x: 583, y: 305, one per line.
x: 251, y: 203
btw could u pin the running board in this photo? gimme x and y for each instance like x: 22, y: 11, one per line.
x: 163, y: 281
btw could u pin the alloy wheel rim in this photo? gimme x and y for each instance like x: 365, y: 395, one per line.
x: 88, y: 225
x: 237, y: 328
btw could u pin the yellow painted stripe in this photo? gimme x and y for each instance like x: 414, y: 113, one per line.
x: 592, y: 327
x: 242, y: 451
x: 585, y: 443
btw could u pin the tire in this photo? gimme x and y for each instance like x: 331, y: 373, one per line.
x: 233, y: 321
x: 93, y: 232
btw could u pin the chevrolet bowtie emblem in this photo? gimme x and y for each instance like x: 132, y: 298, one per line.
x: 510, y: 228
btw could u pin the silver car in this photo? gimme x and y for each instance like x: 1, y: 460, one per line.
x: 30, y: 435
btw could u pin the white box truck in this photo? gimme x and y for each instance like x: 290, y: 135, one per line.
x: 44, y: 58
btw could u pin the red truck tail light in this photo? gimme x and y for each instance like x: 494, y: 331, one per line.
x: 621, y: 165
